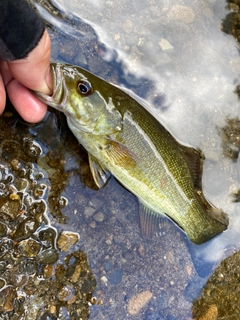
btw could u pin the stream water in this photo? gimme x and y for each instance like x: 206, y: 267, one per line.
x: 182, y: 59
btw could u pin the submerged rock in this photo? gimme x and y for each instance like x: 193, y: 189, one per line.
x: 136, y: 303
x: 220, y: 296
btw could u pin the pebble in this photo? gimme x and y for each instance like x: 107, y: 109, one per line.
x: 76, y: 274
x: 188, y: 270
x: 96, y: 203
x: 127, y: 26
x: 52, y: 309
x: 88, y: 212
x: 48, y: 271
x: 99, y: 217
x: 141, y: 250
x: 66, y: 240
x: 3, y: 230
x: 136, y: 303
x: 211, y: 313
x: 116, y: 276
x: 66, y: 293
x: 93, y: 224
x: 8, y: 294
x: 181, y: 13
x: 104, y: 279
x: 128, y: 255
x: 107, y: 266
x: 165, y: 45
x: 14, y: 196
x: 29, y: 248
x: 234, y: 7
x: 48, y: 256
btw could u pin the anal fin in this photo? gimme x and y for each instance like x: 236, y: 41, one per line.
x: 151, y: 222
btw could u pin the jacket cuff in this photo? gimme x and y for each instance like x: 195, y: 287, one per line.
x: 21, y: 29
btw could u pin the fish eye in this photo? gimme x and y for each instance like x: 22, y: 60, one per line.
x: 84, y: 88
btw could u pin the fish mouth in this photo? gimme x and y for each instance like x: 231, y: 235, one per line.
x: 59, y: 97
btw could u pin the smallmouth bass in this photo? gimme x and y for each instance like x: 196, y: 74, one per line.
x: 122, y: 138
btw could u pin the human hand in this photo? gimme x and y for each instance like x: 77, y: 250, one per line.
x: 32, y: 72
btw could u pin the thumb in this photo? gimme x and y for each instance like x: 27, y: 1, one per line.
x: 34, y: 71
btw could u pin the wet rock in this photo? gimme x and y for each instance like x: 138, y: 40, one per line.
x: 32, y: 147
x: 25, y: 229
x: 7, y: 297
x: 210, y: 314
x: 6, y: 245
x: 48, y: 271
x: 76, y: 274
x: 220, y: 295
x: 47, y: 237
x: 66, y: 293
x: 2, y: 283
x: 28, y: 266
x: 234, y: 7
x: 66, y: 240
x: 136, y: 303
x: 52, y: 310
x: 34, y: 306
x: 29, y: 248
x: 11, y: 208
x: 39, y: 191
x: 3, y: 230
x: 16, y: 164
x: 14, y: 197
x: 48, y: 256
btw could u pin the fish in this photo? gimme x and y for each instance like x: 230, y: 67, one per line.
x: 123, y: 139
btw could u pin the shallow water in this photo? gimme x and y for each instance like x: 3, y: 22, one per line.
x: 176, y: 57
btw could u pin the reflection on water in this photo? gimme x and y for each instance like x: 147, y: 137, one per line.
x: 175, y: 56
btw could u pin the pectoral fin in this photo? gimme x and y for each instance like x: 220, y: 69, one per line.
x: 151, y: 222
x: 100, y: 174
x: 120, y: 155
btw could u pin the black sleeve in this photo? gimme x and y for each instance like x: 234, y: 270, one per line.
x: 20, y: 29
